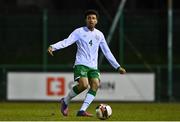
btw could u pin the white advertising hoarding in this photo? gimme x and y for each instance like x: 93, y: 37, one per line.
x: 53, y: 86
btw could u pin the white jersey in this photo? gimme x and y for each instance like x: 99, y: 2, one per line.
x: 88, y: 43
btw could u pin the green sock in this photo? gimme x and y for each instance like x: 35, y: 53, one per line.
x: 88, y: 100
x: 92, y: 92
x: 75, y: 89
x: 74, y: 92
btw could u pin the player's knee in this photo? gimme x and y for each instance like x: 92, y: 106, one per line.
x: 83, y: 83
x: 95, y: 85
x: 85, y: 86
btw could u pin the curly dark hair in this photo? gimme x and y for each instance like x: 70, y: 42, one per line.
x: 91, y: 11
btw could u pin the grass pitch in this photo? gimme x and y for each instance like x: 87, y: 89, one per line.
x: 44, y: 111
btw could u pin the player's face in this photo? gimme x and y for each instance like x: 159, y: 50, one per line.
x: 91, y: 21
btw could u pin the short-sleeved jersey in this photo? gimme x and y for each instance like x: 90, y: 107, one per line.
x: 88, y: 43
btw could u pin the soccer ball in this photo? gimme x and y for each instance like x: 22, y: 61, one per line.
x: 103, y: 111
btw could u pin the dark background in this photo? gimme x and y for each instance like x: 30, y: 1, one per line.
x: 144, y: 25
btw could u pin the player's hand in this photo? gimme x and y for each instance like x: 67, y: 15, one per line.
x: 121, y: 70
x: 50, y: 51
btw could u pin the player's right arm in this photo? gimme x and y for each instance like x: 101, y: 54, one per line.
x: 109, y: 56
x: 73, y: 37
x: 50, y: 50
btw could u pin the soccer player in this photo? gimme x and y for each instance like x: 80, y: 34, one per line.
x: 88, y: 40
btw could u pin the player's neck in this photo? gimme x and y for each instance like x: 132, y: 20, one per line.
x: 90, y: 28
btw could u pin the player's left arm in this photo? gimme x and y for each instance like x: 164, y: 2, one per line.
x: 121, y: 70
x: 109, y: 56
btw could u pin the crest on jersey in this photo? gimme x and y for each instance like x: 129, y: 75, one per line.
x: 97, y: 37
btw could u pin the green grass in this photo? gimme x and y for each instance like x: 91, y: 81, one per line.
x: 44, y: 111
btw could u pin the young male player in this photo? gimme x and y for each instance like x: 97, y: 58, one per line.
x: 88, y: 40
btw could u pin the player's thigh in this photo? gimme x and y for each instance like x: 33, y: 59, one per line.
x: 94, y: 74
x: 79, y: 72
x: 94, y: 79
x: 83, y: 82
x: 94, y: 83
x: 80, y: 75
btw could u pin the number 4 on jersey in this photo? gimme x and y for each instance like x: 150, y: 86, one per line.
x: 90, y: 42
